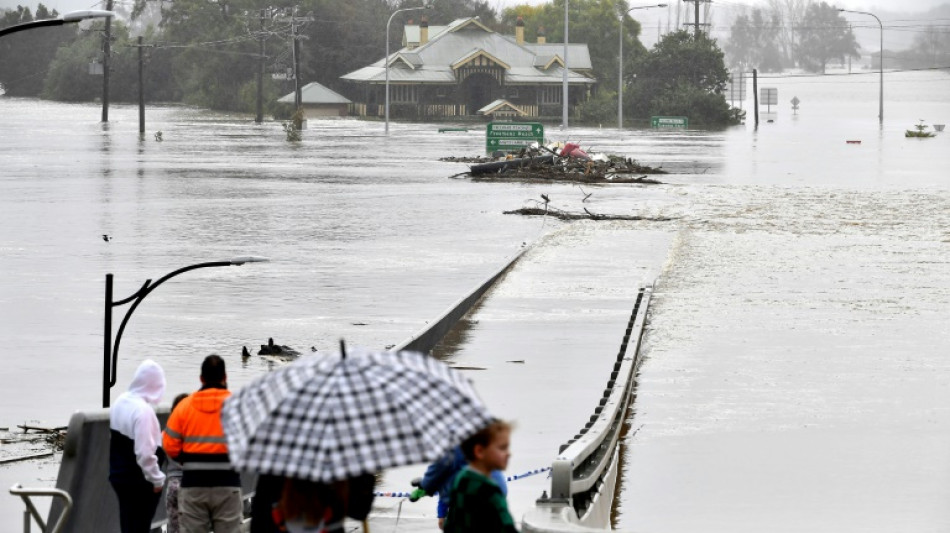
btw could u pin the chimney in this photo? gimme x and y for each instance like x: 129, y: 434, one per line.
x: 541, y: 38
x: 519, y: 30
x: 424, y: 31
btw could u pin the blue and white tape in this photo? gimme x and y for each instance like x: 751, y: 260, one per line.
x: 515, y: 477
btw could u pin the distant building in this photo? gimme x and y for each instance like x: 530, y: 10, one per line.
x: 465, y: 68
x: 319, y: 101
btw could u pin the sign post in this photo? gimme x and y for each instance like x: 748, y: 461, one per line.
x: 507, y: 136
x: 669, y: 122
x: 769, y: 97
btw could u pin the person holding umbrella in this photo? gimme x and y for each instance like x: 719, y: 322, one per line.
x: 325, y: 419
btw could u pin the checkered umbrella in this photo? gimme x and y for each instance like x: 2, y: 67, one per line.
x: 326, y: 418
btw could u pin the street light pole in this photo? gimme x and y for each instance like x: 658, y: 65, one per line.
x: 620, y: 68
x: 110, y: 353
x: 564, y: 81
x: 880, y: 101
x: 425, y: 5
x: 73, y: 16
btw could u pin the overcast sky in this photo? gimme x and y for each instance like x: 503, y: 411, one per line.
x: 865, y: 5
x: 654, y: 21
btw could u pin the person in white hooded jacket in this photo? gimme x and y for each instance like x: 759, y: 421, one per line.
x: 135, y: 455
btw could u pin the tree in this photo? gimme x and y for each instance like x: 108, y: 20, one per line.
x: 788, y: 15
x: 25, y: 56
x: 753, y: 42
x: 825, y: 35
x: 594, y: 22
x: 682, y: 75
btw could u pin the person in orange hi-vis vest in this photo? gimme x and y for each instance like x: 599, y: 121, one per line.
x: 210, y: 497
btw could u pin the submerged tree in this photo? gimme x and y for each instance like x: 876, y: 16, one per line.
x: 825, y: 36
x: 682, y: 75
x: 753, y: 42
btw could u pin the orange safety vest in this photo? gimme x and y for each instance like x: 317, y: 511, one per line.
x: 193, y: 435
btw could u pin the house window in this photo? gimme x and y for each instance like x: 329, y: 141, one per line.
x: 403, y: 94
x: 440, y: 92
x: 551, y: 95
x: 512, y: 92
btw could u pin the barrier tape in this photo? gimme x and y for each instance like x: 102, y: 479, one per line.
x: 509, y: 479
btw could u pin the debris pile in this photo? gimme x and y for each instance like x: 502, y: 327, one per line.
x: 555, y: 162
x: 33, y: 442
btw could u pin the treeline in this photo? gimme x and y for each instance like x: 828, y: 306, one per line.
x: 209, y: 53
x: 790, y: 33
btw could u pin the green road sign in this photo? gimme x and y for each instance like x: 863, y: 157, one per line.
x: 669, y: 122
x: 508, y: 136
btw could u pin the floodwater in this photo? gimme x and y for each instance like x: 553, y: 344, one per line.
x: 795, y: 374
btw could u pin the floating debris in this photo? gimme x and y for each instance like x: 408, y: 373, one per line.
x: 554, y: 163
x: 587, y: 214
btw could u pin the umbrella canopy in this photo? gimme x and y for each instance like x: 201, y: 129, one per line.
x: 330, y: 417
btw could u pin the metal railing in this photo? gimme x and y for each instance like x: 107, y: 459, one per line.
x: 583, y: 476
x: 31, y: 511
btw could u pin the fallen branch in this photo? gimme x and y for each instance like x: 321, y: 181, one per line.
x: 565, y: 215
x: 27, y: 429
x: 25, y: 457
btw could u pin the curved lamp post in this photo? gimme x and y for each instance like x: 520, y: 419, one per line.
x: 426, y: 5
x: 880, y: 101
x: 110, y: 354
x: 72, y: 16
x: 620, y: 69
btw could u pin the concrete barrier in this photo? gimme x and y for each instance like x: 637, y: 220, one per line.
x: 84, y: 474
x: 429, y: 336
x: 584, y: 474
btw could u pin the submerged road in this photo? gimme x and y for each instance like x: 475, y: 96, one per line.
x: 540, y: 347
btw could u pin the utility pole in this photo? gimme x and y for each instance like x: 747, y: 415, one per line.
x: 696, y: 24
x: 296, y: 23
x: 141, y: 90
x: 107, y: 52
x: 755, y: 95
x: 259, y: 118
x: 297, y: 99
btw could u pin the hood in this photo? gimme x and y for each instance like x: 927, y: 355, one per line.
x: 148, y: 382
x: 209, y: 400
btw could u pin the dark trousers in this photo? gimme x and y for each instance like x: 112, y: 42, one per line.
x: 137, y: 504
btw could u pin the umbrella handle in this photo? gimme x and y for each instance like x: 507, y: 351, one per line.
x: 343, y: 352
x: 365, y: 523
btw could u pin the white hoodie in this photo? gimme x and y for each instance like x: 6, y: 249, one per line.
x: 133, y: 415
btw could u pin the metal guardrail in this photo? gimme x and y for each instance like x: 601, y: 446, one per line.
x: 583, y: 476
x: 31, y: 511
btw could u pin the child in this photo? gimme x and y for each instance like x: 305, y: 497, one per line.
x: 173, y: 477
x: 439, y: 477
x: 477, y: 503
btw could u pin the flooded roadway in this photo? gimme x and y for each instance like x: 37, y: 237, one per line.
x: 795, y: 374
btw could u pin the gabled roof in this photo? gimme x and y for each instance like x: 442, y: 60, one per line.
x: 465, y: 39
x: 315, y: 93
x: 410, y: 59
x: 469, y: 57
x: 545, y: 62
x: 500, y: 105
x: 578, y: 55
x: 461, y: 24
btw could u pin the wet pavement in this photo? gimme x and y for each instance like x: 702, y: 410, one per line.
x: 552, y: 326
